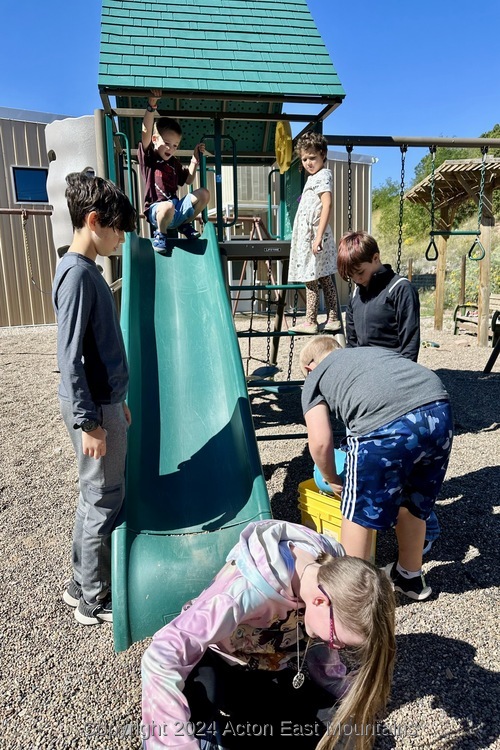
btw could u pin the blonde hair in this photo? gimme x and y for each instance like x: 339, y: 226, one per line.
x: 363, y: 601
x: 316, y: 350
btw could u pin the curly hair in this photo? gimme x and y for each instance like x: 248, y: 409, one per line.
x: 312, y: 142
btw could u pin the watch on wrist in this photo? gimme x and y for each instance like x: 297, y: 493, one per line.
x: 149, y: 108
x: 88, y: 425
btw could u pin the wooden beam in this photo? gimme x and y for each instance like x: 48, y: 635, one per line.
x: 445, y: 221
x: 485, y: 277
x: 463, y: 277
x: 209, y: 115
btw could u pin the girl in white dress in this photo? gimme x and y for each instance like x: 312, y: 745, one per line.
x: 313, y: 255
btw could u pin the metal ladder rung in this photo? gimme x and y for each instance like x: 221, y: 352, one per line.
x: 289, y: 436
x: 271, y: 383
x: 265, y: 334
x: 263, y: 287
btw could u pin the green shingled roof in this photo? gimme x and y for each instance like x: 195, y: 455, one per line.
x: 215, y: 46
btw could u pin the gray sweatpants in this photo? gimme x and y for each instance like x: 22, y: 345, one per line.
x: 102, y: 489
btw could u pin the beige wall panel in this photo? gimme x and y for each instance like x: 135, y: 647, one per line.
x: 25, y: 296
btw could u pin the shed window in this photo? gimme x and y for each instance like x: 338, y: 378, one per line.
x: 30, y: 184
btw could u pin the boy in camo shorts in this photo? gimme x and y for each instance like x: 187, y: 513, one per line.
x: 400, y: 428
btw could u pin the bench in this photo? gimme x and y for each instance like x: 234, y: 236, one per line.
x: 466, y: 318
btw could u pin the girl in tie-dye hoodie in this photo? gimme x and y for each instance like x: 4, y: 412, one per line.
x: 285, y: 602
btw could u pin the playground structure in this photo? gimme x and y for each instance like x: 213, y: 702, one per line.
x: 188, y: 393
x: 194, y: 478
x: 184, y: 510
x: 446, y: 188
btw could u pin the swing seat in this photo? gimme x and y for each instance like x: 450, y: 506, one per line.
x: 268, y: 371
x: 281, y: 388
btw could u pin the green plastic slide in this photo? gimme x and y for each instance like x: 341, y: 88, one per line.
x: 194, y: 477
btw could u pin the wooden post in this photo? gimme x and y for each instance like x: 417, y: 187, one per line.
x: 410, y: 269
x: 442, y: 245
x: 463, y: 273
x: 485, y: 271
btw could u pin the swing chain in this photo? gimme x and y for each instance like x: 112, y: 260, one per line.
x: 349, y: 148
x: 433, y: 150
x: 403, y: 150
x: 269, y: 281
x: 477, y: 251
x: 292, y: 338
x: 431, y: 254
x: 484, y: 151
x: 252, y: 306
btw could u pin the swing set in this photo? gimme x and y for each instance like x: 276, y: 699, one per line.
x: 453, y: 182
x: 476, y: 251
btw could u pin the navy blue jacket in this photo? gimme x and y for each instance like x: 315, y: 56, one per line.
x: 385, y: 313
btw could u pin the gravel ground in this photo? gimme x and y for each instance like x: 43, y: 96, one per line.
x: 64, y: 687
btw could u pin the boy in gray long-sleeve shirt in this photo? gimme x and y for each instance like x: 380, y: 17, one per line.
x: 94, y: 381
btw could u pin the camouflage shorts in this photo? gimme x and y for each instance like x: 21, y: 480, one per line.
x: 401, y: 463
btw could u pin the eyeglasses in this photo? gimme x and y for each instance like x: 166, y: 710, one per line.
x: 335, y: 642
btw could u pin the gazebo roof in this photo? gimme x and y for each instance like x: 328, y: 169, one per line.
x: 455, y: 181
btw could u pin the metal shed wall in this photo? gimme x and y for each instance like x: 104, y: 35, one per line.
x: 21, y: 301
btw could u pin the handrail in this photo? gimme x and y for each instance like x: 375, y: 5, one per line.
x: 227, y: 224
x: 129, y: 162
x: 30, y: 211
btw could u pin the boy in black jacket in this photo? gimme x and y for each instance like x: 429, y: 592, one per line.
x: 384, y: 309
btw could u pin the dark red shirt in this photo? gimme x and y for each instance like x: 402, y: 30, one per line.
x: 162, y: 177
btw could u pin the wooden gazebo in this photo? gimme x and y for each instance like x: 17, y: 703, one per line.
x: 454, y: 182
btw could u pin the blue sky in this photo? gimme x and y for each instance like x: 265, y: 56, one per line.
x: 430, y: 68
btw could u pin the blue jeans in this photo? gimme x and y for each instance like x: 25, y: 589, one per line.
x: 102, y: 489
x: 184, y: 210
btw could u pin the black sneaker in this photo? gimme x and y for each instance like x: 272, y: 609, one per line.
x: 72, y: 593
x: 413, y: 588
x: 94, y: 614
x: 189, y: 231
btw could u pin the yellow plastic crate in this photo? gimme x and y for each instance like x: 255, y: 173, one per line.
x: 322, y: 513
